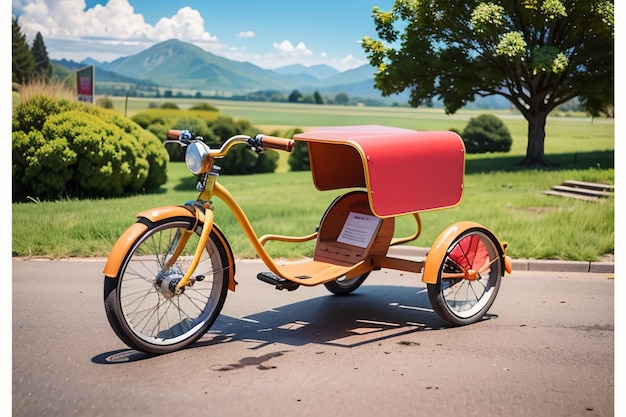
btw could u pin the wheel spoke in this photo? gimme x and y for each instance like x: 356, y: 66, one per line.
x: 142, y: 305
x: 469, y: 278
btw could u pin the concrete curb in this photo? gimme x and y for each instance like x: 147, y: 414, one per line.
x: 407, y: 251
x: 522, y: 264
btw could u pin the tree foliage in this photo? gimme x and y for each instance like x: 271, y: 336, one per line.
x: 294, y: 97
x: 539, y: 54
x: 43, y: 67
x: 317, y: 97
x: 342, y: 99
x: 23, y: 60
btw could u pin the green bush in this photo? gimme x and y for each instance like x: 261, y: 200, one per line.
x: 63, y: 148
x: 299, y: 157
x: 203, y: 107
x: 146, y: 119
x: 241, y: 160
x: 266, y: 162
x: 214, y: 130
x: 32, y: 114
x: 486, y: 133
x: 170, y: 117
x: 104, y: 102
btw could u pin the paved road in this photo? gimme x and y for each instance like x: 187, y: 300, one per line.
x: 547, y: 349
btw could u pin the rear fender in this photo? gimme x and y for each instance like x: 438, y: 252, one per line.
x: 437, y: 252
x: 148, y: 217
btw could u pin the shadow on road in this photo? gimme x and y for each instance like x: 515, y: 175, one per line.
x: 372, y: 314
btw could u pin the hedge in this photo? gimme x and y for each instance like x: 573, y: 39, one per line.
x: 64, y: 148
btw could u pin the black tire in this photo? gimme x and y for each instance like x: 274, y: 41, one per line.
x: 146, y: 316
x: 344, y: 286
x: 468, y: 279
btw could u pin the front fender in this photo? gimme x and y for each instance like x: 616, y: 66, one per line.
x: 437, y: 253
x: 145, y: 218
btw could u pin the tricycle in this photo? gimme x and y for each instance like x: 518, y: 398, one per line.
x: 167, y: 276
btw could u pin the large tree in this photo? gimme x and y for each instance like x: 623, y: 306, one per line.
x: 43, y: 67
x: 23, y: 61
x: 538, y: 54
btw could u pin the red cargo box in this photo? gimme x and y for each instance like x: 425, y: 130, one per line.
x: 404, y: 171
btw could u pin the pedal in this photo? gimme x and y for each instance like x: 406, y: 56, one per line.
x: 278, y: 282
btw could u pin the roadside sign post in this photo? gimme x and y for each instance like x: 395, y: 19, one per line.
x: 85, y: 78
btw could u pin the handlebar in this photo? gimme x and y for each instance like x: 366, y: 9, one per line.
x: 174, y: 134
x: 199, y: 156
x: 259, y: 142
x: 273, y: 142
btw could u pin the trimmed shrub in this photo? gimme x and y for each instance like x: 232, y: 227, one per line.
x: 32, y: 114
x: 71, y: 149
x: 203, y: 107
x: 172, y: 106
x: 170, y: 117
x: 266, y: 162
x: 239, y: 160
x: 104, y: 102
x: 204, y: 120
x: 486, y: 133
x: 299, y: 157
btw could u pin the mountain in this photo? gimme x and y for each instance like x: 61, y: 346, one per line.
x: 320, y: 72
x: 102, y: 75
x: 173, y: 64
x: 353, y: 76
x: 176, y: 64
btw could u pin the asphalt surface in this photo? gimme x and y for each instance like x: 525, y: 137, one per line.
x: 546, y: 348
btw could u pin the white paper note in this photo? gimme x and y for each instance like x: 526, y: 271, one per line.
x: 358, y: 229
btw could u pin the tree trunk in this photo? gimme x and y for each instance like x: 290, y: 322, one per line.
x: 536, y: 139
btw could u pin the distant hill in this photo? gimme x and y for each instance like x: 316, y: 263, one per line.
x: 319, y: 72
x: 177, y: 65
x: 102, y: 75
x: 173, y: 64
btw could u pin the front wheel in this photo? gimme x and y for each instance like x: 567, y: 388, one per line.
x: 140, y: 303
x: 469, y: 277
x: 344, y: 286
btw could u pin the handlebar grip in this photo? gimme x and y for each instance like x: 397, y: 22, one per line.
x: 273, y: 142
x: 173, y: 134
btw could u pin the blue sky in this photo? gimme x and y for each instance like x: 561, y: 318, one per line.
x: 269, y: 33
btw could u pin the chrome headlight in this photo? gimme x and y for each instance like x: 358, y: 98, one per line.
x: 196, y: 157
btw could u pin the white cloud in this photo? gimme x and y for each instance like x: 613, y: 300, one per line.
x: 64, y: 22
x: 247, y: 34
x: 107, y: 32
x: 346, y: 63
x: 287, y: 48
x: 185, y: 25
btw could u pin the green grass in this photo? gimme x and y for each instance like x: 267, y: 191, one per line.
x: 497, y: 193
x: 511, y: 204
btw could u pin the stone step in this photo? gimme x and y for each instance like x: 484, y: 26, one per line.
x: 572, y: 195
x: 581, y: 190
x: 589, y: 185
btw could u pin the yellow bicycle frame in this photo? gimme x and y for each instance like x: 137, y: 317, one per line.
x: 321, y: 271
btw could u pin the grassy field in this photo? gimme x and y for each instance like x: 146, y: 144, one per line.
x: 565, y: 135
x: 497, y: 193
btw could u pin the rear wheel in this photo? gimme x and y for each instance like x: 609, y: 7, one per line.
x: 469, y: 278
x: 140, y: 303
x: 343, y: 285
